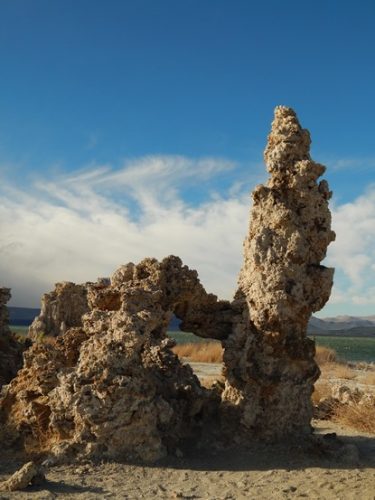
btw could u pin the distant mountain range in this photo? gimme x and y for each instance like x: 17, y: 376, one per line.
x: 343, y: 322
x: 352, y: 326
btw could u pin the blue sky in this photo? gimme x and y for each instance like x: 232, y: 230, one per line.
x: 135, y: 128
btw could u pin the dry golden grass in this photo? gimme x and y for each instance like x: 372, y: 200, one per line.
x: 335, y: 370
x: 368, y: 378
x: 359, y: 417
x: 321, y: 390
x: 212, y: 352
x: 325, y: 355
x: 330, y: 366
x: 205, y: 352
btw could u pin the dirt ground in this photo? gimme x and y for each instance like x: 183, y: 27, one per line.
x: 264, y: 472
x: 261, y: 473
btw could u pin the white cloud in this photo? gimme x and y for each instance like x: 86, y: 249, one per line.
x: 353, y: 163
x: 353, y: 253
x: 82, y: 226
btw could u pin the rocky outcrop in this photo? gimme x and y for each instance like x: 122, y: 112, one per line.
x: 269, y: 362
x: 61, y: 309
x: 282, y: 279
x: 109, y: 385
x: 10, y: 348
x: 112, y: 387
x: 64, y: 307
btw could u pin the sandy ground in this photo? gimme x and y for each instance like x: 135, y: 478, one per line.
x: 261, y: 473
x: 264, y: 472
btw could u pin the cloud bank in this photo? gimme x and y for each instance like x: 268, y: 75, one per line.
x: 353, y: 253
x: 83, y: 225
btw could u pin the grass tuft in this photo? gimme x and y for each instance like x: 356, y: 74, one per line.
x: 335, y: 370
x: 204, y: 352
x: 357, y: 416
x: 368, y: 378
x: 325, y: 355
x: 322, y: 389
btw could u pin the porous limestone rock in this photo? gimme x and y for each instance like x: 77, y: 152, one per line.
x: 10, y: 348
x: 64, y: 307
x: 112, y: 387
x: 61, y: 309
x: 28, y: 474
x: 109, y: 385
x: 269, y: 362
x: 346, y: 395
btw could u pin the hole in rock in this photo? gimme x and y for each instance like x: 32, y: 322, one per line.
x: 205, y: 356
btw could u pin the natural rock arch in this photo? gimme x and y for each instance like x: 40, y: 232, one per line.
x: 110, y: 385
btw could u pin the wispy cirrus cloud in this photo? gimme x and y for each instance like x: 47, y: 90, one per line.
x: 85, y: 224
x: 365, y: 163
x: 82, y: 225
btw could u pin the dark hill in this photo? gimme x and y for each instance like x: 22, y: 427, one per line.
x: 22, y: 316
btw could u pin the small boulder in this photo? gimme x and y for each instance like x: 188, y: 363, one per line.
x: 30, y: 473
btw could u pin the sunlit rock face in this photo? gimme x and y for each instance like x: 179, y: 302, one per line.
x: 269, y: 362
x: 107, y: 385
x: 112, y: 387
x: 61, y: 309
x: 10, y: 348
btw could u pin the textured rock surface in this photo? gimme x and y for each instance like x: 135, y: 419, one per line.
x: 64, y: 307
x: 269, y: 362
x: 61, y: 309
x: 112, y: 387
x: 10, y: 348
x: 109, y: 385
x: 29, y: 473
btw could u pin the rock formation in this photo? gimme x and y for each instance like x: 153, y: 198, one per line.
x: 10, y: 348
x: 112, y: 387
x: 269, y: 362
x: 109, y: 386
x: 28, y: 474
x: 61, y: 309
x: 65, y: 306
